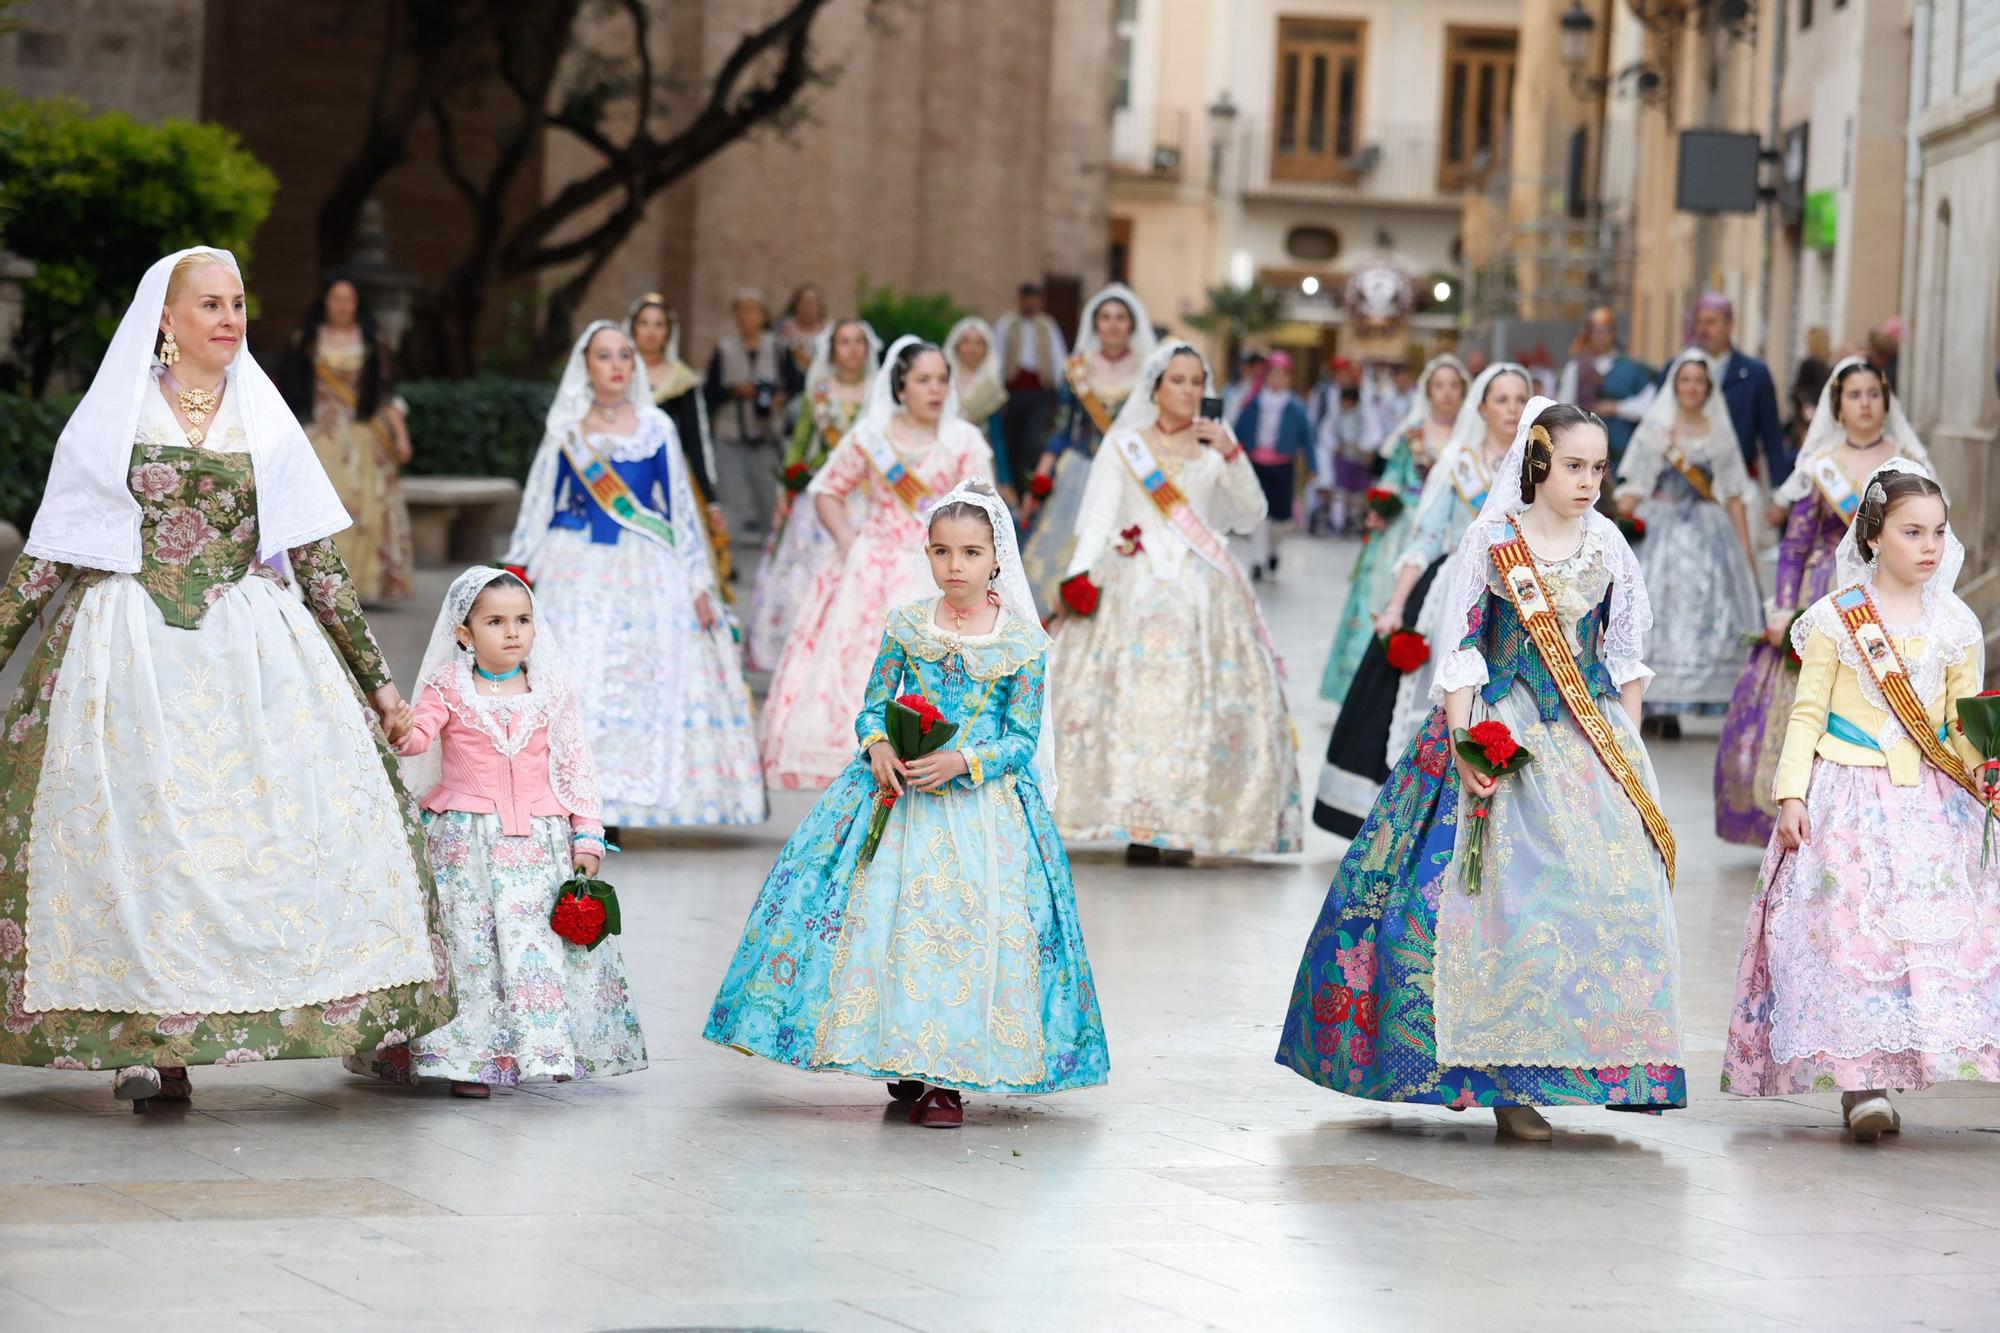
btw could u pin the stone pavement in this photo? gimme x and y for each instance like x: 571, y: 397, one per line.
x: 1205, y: 1187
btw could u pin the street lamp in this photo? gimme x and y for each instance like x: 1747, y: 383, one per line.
x: 1578, y: 28
x: 1221, y: 121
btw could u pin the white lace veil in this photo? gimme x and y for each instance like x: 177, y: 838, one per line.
x: 1631, y: 609
x: 510, y: 721
x: 1019, y: 600
x: 980, y: 392
x: 88, y: 515
x: 822, y: 359
x: 1140, y: 411
x: 1825, y: 434
x: 1468, y: 432
x: 1420, y: 401
x: 1144, y: 340
x: 1646, y: 455
x: 566, y: 412
x: 1849, y: 567
x: 882, y: 405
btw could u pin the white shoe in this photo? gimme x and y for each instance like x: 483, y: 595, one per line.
x: 1848, y: 1101
x: 1522, y: 1122
x: 1871, y: 1117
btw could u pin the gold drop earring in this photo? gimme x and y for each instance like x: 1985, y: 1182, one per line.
x: 170, y: 351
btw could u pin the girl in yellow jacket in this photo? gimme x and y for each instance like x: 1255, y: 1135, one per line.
x: 1872, y: 958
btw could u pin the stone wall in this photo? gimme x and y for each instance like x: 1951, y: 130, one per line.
x: 112, y: 55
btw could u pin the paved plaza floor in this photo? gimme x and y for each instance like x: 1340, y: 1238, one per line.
x: 1205, y: 1187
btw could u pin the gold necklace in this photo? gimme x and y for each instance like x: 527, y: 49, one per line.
x: 195, y: 404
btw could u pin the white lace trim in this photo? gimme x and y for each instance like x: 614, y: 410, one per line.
x: 637, y: 447
x: 1946, y: 629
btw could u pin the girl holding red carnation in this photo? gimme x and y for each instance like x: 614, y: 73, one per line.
x: 1171, y: 717
x: 951, y: 960
x: 497, y: 752
x: 1872, y: 957
x: 1550, y: 975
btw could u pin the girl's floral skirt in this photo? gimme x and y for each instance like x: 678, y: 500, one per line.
x: 532, y: 1007
x: 1872, y: 957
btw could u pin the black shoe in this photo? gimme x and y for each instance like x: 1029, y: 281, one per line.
x: 1256, y: 573
x: 1274, y: 566
x: 1139, y: 854
x: 1670, y: 728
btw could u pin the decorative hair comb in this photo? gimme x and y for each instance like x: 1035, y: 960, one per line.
x: 1538, y: 464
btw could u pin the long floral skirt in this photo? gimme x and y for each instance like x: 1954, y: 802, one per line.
x: 228, y: 777
x: 1363, y: 1017
x: 1374, y: 578
x: 1051, y: 538
x: 1872, y: 955
x: 532, y: 1007
x: 1357, y: 753
x: 1170, y: 721
x: 1753, y: 737
x: 794, y: 556
x: 665, y: 706
x: 1705, y: 599
x: 377, y: 548
x: 954, y: 957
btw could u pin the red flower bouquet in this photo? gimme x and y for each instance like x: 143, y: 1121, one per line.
x: 914, y: 728
x: 1384, y: 502
x: 1041, y: 485
x: 1129, y: 542
x: 795, y: 477
x: 1080, y: 595
x: 1633, y: 528
x: 1490, y: 749
x: 1792, y: 660
x: 1979, y: 723
x: 586, y: 911
x: 520, y: 572
x: 1407, y: 650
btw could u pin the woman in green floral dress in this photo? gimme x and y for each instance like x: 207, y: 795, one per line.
x: 205, y: 854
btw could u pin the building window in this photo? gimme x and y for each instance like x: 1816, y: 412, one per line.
x: 1118, y: 261
x: 1317, y: 115
x: 1805, y: 14
x: 1478, y: 103
x: 1122, y: 35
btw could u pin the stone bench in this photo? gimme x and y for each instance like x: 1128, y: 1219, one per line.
x: 455, y: 520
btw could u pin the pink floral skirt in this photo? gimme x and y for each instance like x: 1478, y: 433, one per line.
x: 1872, y: 957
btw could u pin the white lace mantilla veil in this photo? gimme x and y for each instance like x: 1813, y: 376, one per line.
x: 508, y: 721
x: 980, y: 388
x: 1468, y: 432
x: 1646, y: 456
x: 1144, y: 340
x: 566, y: 412
x: 88, y: 515
x: 1420, y: 403
x: 1825, y: 435
x: 1140, y: 411
x: 1631, y: 610
x: 881, y: 407
x: 1018, y: 599
x: 822, y: 359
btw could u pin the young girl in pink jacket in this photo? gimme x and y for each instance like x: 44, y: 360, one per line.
x: 510, y: 810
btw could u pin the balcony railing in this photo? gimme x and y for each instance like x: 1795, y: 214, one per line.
x: 1383, y: 163
x: 1151, y: 142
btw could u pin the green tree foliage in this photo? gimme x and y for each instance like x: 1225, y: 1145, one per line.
x: 892, y: 315
x: 1239, y: 313
x: 94, y: 200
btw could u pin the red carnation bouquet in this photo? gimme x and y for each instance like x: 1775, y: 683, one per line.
x: 1489, y: 749
x: 520, y: 572
x: 1792, y: 660
x: 795, y: 477
x: 1080, y: 595
x: 914, y: 728
x: 1979, y: 723
x: 586, y: 911
x: 1407, y: 650
x: 1633, y: 527
x: 1041, y: 485
x: 1384, y: 502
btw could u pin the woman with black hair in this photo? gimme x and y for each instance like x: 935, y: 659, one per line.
x: 336, y: 379
x: 910, y: 447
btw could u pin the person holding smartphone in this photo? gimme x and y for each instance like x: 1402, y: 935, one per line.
x: 1156, y: 612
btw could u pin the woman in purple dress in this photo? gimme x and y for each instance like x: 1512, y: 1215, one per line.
x: 1857, y: 427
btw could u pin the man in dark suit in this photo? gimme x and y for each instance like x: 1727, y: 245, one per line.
x: 1747, y: 390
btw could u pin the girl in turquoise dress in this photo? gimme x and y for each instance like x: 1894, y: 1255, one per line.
x: 1410, y: 451
x: 952, y: 961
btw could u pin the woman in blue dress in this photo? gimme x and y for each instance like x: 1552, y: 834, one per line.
x: 953, y: 960
x: 1544, y: 971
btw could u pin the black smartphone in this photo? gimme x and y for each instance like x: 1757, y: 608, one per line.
x: 1211, y: 408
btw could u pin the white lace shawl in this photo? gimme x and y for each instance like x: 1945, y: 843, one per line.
x: 1718, y: 451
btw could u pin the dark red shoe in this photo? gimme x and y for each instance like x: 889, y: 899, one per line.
x: 940, y: 1108
x: 906, y: 1090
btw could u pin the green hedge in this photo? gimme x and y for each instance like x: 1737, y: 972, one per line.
x: 485, y: 427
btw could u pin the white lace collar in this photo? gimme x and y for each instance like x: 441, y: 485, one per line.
x: 1940, y: 638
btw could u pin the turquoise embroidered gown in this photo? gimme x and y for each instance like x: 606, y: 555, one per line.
x: 1375, y: 569
x: 955, y: 956
x: 1563, y: 971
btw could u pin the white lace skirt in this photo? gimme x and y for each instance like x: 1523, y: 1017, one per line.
x: 665, y: 707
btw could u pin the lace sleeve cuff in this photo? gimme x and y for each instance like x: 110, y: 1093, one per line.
x: 1461, y: 668
x: 1624, y: 670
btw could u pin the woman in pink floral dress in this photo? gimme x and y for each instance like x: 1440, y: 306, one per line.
x: 909, y: 448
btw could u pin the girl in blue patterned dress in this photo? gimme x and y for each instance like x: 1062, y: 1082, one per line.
x: 1551, y: 976
x: 952, y: 961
